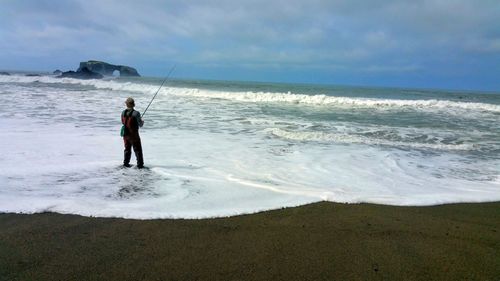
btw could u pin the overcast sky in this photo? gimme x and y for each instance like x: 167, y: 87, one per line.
x: 429, y: 44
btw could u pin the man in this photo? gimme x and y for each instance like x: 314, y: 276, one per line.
x: 132, y: 120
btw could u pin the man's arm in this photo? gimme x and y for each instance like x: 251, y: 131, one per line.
x: 138, y: 118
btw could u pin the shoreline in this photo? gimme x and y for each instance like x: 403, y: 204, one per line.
x: 319, y: 241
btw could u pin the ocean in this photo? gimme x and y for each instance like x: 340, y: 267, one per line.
x: 223, y: 148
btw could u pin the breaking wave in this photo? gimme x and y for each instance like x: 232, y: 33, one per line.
x: 324, y: 100
x: 343, y: 138
x: 264, y: 97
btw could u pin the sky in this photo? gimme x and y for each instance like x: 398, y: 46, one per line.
x: 420, y: 44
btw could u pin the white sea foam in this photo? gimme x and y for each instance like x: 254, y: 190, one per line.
x: 335, y: 101
x: 61, y: 152
x: 264, y: 97
x: 349, y: 139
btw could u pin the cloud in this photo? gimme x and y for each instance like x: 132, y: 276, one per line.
x: 375, y: 36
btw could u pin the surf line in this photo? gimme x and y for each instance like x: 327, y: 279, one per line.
x: 323, y: 195
x: 164, y: 80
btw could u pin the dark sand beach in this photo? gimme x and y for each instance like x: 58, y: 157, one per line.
x: 322, y: 241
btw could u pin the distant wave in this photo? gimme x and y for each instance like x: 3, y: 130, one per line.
x: 98, y: 84
x: 350, y: 139
x: 335, y: 101
x: 263, y: 97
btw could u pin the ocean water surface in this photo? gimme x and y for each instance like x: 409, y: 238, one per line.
x: 218, y: 148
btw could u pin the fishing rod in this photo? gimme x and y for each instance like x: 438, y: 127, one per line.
x: 164, y: 80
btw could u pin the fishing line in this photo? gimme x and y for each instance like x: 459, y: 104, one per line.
x: 164, y: 80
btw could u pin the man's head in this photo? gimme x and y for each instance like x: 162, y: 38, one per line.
x: 130, y: 103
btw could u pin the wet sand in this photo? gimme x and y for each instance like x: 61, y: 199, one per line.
x: 321, y: 241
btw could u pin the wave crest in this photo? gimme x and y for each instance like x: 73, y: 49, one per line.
x: 263, y: 97
x: 324, y: 100
x: 357, y: 139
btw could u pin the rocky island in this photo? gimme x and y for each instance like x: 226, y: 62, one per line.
x: 93, y: 69
x: 107, y: 69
